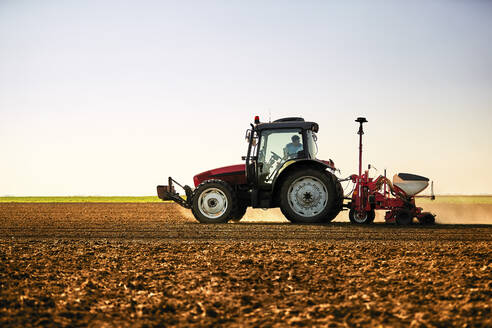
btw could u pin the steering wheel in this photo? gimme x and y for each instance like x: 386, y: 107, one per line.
x: 275, y: 156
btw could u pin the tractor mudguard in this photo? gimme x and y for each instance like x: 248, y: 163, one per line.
x: 292, y: 165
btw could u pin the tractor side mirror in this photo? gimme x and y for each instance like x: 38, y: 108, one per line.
x: 253, y: 137
x: 248, y: 135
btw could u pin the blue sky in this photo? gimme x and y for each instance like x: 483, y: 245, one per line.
x: 111, y: 97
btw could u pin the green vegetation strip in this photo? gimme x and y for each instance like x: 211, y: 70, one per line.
x: 155, y: 199
x: 81, y: 199
x: 472, y: 200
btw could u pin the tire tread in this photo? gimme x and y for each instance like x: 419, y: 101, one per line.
x: 227, y: 186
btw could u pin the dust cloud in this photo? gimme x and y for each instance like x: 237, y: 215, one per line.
x: 461, y: 213
x: 445, y: 214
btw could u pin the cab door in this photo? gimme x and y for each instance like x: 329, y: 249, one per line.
x: 276, y: 147
x: 251, y: 157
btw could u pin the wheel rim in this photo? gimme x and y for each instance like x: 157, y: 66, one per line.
x: 307, y: 196
x: 212, y: 203
x: 360, y: 217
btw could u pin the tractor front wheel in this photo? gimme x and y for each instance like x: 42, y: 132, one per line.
x: 308, y: 196
x: 214, y: 201
x: 365, y: 217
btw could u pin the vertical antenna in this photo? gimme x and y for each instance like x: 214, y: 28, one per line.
x: 360, y: 120
x: 269, y: 115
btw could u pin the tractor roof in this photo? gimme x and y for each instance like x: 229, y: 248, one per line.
x: 289, y: 123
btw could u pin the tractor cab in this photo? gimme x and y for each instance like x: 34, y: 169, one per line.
x: 273, y: 146
x: 274, y: 149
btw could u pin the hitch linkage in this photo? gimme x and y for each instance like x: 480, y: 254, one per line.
x: 169, y: 193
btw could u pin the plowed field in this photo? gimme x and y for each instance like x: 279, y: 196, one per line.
x: 149, y: 264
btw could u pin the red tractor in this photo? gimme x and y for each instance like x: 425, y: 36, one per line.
x: 282, y: 170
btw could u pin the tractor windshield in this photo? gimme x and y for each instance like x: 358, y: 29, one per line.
x: 277, y: 147
x: 312, y: 146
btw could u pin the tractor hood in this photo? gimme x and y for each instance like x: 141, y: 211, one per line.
x: 233, y: 174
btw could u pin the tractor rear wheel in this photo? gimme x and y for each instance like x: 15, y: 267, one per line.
x: 366, y: 217
x: 404, y: 217
x: 338, y: 203
x: 308, y: 196
x: 214, y: 201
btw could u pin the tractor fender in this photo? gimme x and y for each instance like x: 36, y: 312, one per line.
x: 291, y: 166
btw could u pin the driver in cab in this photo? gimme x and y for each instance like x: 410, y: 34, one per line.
x: 291, y: 149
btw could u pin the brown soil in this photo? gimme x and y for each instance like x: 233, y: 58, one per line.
x: 152, y: 264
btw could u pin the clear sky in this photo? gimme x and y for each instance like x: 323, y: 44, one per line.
x: 111, y: 97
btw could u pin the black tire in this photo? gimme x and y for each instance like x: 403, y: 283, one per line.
x: 300, y: 214
x: 427, y: 218
x: 338, y: 203
x: 366, y: 218
x: 404, y: 217
x: 220, y: 193
x: 240, y: 211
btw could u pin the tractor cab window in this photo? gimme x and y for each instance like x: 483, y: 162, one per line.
x: 312, y: 146
x: 277, y: 147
